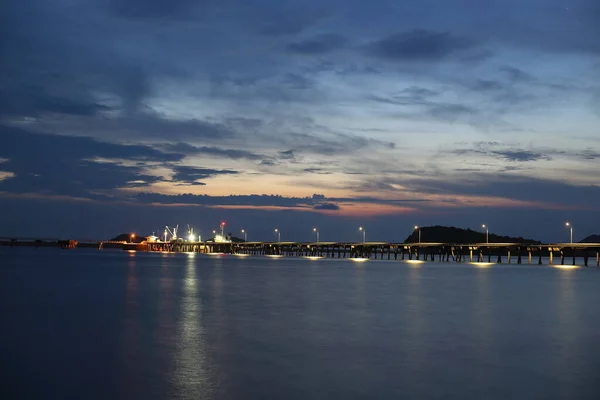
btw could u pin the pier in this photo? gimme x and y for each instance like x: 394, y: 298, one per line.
x: 488, y: 253
x: 518, y: 253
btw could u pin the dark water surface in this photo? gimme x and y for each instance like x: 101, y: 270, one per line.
x: 115, y: 325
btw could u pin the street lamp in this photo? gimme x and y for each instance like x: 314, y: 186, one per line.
x: 131, y: 237
x: 418, y: 229
x: 278, y: 235
x: 571, y: 227
x: 487, y: 233
x: 245, y: 235
x: 364, y: 233
x: 317, y: 232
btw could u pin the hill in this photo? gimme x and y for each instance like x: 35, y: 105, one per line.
x: 591, y: 239
x: 125, y: 237
x: 450, y: 234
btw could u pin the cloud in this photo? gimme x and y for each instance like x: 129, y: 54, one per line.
x: 74, y: 166
x: 320, y: 44
x: 327, y: 206
x: 520, y: 155
x: 192, y: 175
x: 234, y: 154
x: 419, y: 46
x: 514, y: 187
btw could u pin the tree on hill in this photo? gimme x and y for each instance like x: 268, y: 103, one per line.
x: 450, y: 234
x: 591, y: 239
x: 126, y: 237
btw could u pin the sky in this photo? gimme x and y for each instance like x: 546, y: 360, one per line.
x: 130, y: 115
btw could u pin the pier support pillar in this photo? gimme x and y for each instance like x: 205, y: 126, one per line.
x: 551, y: 257
x: 529, y: 256
x: 585, y: 259
x: 598, y: 259
x: 508, y: 257
x: 470, y: 255
x: 573, y: 256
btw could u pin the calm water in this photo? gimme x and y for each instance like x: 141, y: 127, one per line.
x: 116, y: 325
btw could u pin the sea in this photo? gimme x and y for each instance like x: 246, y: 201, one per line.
x: 111, y: 324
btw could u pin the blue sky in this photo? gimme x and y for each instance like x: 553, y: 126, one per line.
x: 130, y: 115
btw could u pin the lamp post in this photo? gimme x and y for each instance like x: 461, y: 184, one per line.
x: 487, y: 233
x: 568, y: 224
x: 418, y: 229
x: 131, y: 237
x: 278, y: 235
x: 315, y: 230
x: 166, y: 235
x: 245, y: 235
x: 364, y: 233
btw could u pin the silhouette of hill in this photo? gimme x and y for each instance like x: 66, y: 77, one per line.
x: 450, y: 234
x: 591, y: 239
x: 125, y: 237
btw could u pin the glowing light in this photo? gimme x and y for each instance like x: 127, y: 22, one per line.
x: 191, y: 238
x: 482, y: 264
x: 313, y: 257
x: 242, y: 255
x: 359, y: 259
x: 566, y: 266
x: 274, y: 256
x: 414, y: 261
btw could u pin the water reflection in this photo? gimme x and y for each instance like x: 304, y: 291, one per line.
x: 131, y: 333
x: 191, y: 379
x: 568, y: 335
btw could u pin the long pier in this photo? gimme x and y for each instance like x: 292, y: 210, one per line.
x: 489, y: 253
x: 518, y: 253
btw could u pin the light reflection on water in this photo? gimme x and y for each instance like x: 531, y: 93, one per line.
x: 191, y: 326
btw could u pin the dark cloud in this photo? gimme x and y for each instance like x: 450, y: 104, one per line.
x: 32, y: 100
x: 520, y: 155
x: 419, y: 45
x: 192, y: 175
x: 188, y: 149
x: 319, y: 171
x: 73, y: 166
x: 327, y: 206
x: 516, y: 187
x: 232, y: 200
x: 287, y: 154
x: 321, y: 44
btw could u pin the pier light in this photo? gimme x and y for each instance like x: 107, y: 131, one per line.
x: 570, y: 226
x: 245, y: 235
x: 315, y: 230
x: 278, y: 235
x: 191, y: 237
x: 418, y: 229
x: 487, y: 233
x: 132, y: 236
x: 364, y: 233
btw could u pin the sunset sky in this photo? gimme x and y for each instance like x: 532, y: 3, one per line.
x: 120, y: 116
